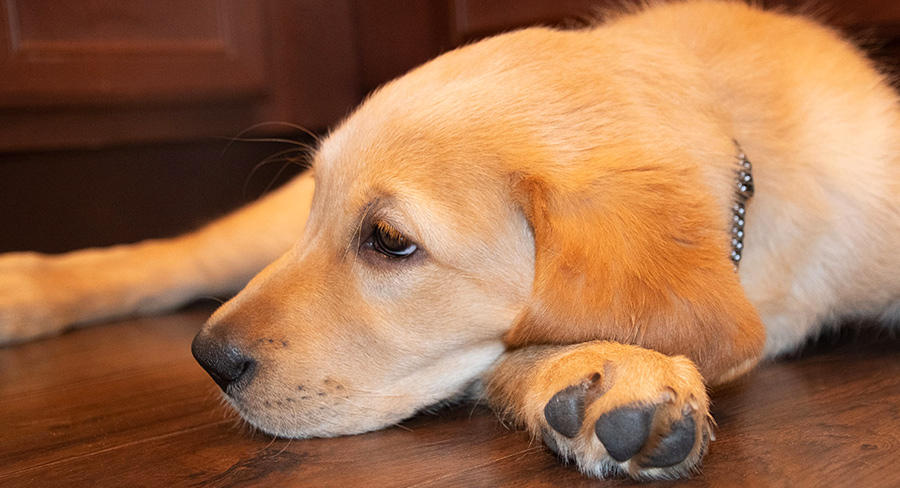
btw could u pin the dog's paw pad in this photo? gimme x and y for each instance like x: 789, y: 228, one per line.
x: 662, y: 437
x: 624, y: 431
x: 565, y: 411
x: 675, y: 446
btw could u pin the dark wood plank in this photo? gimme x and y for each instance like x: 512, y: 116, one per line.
x: 124, y: 404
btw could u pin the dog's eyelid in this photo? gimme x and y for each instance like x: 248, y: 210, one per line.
x: 379, y: 211
x: 382, y: 227
x: 390, y: 225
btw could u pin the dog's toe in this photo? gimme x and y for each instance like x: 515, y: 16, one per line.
x: 565, y: 411
x: 675, y: 446
x: 624, y: 431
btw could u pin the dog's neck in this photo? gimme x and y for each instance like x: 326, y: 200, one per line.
x: 742, y: 192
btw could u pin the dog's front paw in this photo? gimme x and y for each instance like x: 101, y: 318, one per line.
x: 661, y: 436
x: 611, y: 409
x: 28, y: 305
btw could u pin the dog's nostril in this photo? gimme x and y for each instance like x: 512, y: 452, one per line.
x: 224, y: 362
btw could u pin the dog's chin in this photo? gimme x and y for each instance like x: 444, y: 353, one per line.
x: 290, y: 424
x: 324, y: 422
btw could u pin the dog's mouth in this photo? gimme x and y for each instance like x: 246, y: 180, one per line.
x: 313, y: 413
x: 289, y: 422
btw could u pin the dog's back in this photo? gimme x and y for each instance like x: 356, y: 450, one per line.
x: 823, y: 127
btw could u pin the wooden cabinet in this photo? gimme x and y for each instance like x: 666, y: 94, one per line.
x: 102, y: 72
x: 130, y: 51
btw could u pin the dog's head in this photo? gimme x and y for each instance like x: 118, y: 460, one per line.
x: 482, y: 201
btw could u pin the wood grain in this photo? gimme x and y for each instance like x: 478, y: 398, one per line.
x: 124, y: 404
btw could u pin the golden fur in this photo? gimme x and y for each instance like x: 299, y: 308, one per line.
x: 569, y: 193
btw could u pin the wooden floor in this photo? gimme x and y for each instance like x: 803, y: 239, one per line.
x: 124, y: 404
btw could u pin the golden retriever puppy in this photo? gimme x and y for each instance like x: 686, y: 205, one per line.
x: 552, y: 219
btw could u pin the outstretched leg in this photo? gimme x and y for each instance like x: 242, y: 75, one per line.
x: 42, y: 294
x: 610, y: 408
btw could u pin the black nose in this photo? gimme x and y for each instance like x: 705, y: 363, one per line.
x: 224, y: 362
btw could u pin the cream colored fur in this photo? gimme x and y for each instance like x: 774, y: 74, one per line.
x: 475, y: 156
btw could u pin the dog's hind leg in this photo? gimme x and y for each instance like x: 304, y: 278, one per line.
x: 41, y: 295
x: 609, y: 408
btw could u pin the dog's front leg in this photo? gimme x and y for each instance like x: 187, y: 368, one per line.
x: 40, y: 294
x: 612, y: 409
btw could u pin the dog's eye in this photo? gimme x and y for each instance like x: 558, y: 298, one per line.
x: 390, y: 242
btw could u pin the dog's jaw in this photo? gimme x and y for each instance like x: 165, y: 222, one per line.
x: 333, y: 409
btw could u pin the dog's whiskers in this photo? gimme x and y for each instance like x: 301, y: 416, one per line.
x: 290, y: 439
x: 315, y: 137
x: 283, y: 140
x: 215, y: 299
x: 267, y: 445
x: 475, y: 405
x: 401, y: 426
x: 240, y: 135
x: 358, y: 233
x: 298, y: 156
x: 287, y: 162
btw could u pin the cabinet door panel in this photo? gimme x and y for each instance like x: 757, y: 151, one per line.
x: 113, y: 51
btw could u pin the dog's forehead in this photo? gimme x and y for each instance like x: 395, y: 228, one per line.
x: 444, y: 113
x: 376, y: 154
x: 442, y: 137
x: 425, y: 183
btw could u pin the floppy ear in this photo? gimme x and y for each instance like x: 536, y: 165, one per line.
x: 637, y: 255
